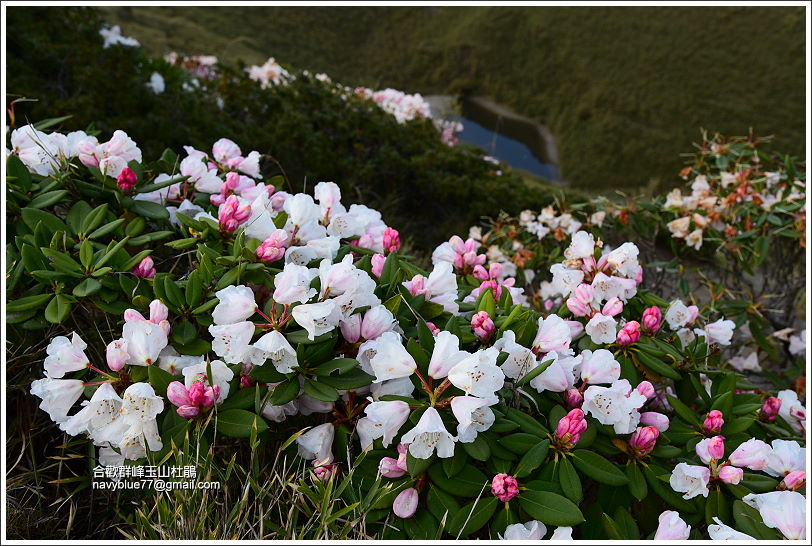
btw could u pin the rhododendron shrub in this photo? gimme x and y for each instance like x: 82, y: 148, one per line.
x: 191, y: 301
x: 736, y: 234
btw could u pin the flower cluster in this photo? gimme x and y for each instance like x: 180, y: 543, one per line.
x: 459, y: 398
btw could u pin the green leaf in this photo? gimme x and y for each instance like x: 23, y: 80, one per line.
x: 598, y: 468
x: 658, y: 366
x: 27, y: 303
x: 50, y: 122
x: 417, y: 466
x: 32, y: 217
x: 239, y: 423
x: 106, y: 228
x: 86, y: 253
x: 441, y: 504
x: 320, y: 391
x: 535, y: 372
x: 149, y: 210
x: 532, y: 459
x: 472, y: 517
x: 519, y: 442
x: 341, y: 365
x: 48, y: 199
x: 284, y: 392
x: 526, y: 422
x: 478, y: 449
x: 242, y: 398
x: 569, y: 480
x: 611, y: 528
x: 58, y: 309
x: 267, y: 374
x: 16, y: 169
x: 87, y: 287
x: 353, y: 379
x: 159, y: 379
x: 665, y: 492
x: 748, y: 521
x: 110, y: 253
x: 470, y: 482
x: 759, y: 483
x: 716, y: 506
x: 683, y: 411
x: 637, y: 482
x: 550, y: 508
x: 159, y: 185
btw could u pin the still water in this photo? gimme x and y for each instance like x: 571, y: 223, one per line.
x: 516, y: 154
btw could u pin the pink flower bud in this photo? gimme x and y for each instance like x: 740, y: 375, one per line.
x: 268, y: 252
x: 247, y: 382
x: 187, y: 412
x: 482, y: 325
x: 770, y: 408
x: 646, y: 389
x: 731, y: 474
x: 126, y: 179
x: 378, y: 261
x: 570, y: 427
x: 644, y: 439
x: 145, y: 269
x: 131, y: 315
x: 177, y: 394
x: 405, y: 503
x: 389, y: 468
x: 324, y: 470
x: 158, y: 312
x: 711, y: 449
x: 654, y: 419
x: 584, y: 293
x: 589, y: 264
x: 391, y: 240
x: 629, y: 334
x: 495, y: 270
x: 575, y: 328
x: 638, y: 276
x: 614, y: 307
x: 231, y: 214
x: 480, y: 273
x: 574, y: 398
x: 351, y: 328
x: 713, y: 422
x: 794, y: 481
x: 210, y: 395
x: 117, y: 354
x: 651, y: 319
x: 197, y: 393
x: 504, y: 487
x: 693, y: 311
x: 433, y: 327
x: 495, y: 287
x: 577, y: 307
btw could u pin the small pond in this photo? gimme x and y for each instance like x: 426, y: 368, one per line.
x: 516, y: 140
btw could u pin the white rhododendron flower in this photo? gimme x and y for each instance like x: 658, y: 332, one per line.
x: 65, y: 355
x: 317, y: 318
x: 391, y: 359
x: 553, y: 335
x: 785, y: 456
x: 478, y: 374
x: 232, y: 342
x: 446, y: 355
x: 383, y: 420
x: 220, y: 376
x: 473, y: 415
x: 236, y: 304
x: 100, y: 416
x: 145, y: 341
x: 429, y: 434
x: 720, y: 531
x: 317, y: 443
x: 599, y: 366
x: 672, y: 527
x: 532, y: 530
x: 58, y: 396
x: 616, y: 405
x: 792, y: 410
x: 601, y: 329
x: 691, y: 480
x: 719, y: 332
x: 782, y: 510
x: 277, y: 348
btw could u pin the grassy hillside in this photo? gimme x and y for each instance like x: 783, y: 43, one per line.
x: 622, y: 89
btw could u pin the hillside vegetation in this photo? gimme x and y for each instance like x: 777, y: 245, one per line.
x: 621, y: 86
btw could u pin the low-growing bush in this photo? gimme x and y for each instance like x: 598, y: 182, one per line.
x: 203, y: 316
